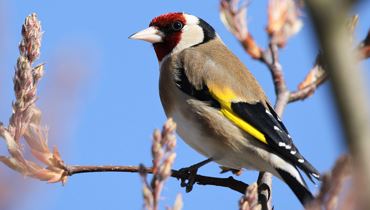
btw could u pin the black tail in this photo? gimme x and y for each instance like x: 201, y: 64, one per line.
x: 301, y: 191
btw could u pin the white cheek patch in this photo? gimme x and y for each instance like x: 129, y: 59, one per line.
x: 190, y: 36
x: 191, y: 19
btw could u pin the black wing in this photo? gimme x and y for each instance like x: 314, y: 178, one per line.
x: 278, y: 139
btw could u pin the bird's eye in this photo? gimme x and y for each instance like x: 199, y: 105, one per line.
x: 177, y: 26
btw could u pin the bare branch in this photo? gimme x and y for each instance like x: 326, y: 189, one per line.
x: 329, y: 18
x: 234, y: 19
x: 229, y: 182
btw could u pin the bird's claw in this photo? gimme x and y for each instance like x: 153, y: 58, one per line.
x: 190, y: 174
x: 188, y: 180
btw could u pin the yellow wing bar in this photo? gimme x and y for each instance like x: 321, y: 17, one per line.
x: 225, y: 96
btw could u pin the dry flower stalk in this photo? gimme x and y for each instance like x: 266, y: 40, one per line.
x: 163, y: 157
x: 283, y: 21
x: 249, y: 200
x: 25, y: 120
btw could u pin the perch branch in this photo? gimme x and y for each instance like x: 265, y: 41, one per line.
x: 229, y: 182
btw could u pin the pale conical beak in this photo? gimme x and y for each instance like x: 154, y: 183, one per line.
x: 150, y: 34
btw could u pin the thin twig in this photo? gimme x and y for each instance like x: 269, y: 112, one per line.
x: 307, y: 91
x: 229, y: 182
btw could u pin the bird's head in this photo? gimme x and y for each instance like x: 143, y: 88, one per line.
x: 174, y: 32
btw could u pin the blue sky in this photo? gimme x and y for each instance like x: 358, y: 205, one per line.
x: 100, y: 99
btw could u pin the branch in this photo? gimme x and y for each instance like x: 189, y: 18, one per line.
x: 271, y: 59
x: 315, y: 77
x: 234, y: 19
x: 348, y: 86
x: 229, y: 182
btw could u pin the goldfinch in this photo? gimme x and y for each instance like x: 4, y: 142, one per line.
x: 221, y: 110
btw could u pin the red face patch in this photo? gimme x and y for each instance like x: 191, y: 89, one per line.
x: 165, y: 20
x: 171, y: 38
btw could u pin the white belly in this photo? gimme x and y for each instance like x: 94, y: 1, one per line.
x: 193, y: 136
x: 241, y: 156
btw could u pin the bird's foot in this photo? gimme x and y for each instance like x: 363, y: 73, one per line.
x: 188, y: 181
x: 190, y: 173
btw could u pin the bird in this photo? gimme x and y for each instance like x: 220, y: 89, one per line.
x: 220, y: 109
